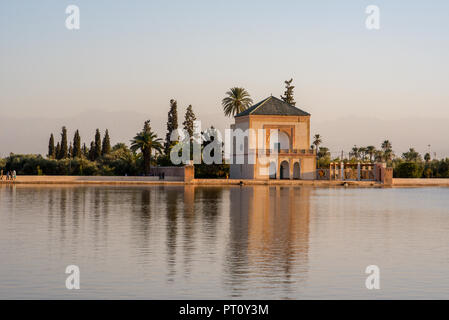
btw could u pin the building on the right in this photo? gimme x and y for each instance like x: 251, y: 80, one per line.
x: 278, y: 143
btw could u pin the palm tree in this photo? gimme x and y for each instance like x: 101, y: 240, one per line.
x: 378, y: 155
x: 371, y: 150
x: 323, y: 152
x: 355, y: 152
x: 237, y: 100
x: 316, y: 141
x: 386, y: 145
x: 146, y: 141
x: 388, y: 150
x: 411, y: 156
x: 362, y: 152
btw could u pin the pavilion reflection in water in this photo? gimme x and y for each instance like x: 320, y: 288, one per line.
x: 241, y: 238
x: 269, y: 236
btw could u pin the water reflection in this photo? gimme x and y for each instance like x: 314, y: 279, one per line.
x: 212, y: 242
x: 172, y: 207
x: 269, y: 237
x: 241, y: 237
x: 189, y: 228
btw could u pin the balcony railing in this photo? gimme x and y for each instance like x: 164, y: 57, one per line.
x: 306, y: 152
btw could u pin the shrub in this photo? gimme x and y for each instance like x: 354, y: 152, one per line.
x: 212, y: 171
x: 409, y: 170
x: 443, y: 168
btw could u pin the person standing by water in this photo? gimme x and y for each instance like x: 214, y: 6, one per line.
x: 14, y: 175
x: 1, y: 175
x: 7, y: 176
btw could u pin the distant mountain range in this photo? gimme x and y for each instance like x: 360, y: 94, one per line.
x: 418, y: 133
x: 30, y: 135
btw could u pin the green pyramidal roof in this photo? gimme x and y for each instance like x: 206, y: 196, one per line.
x: 273, y: 106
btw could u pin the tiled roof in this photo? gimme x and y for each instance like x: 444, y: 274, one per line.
x: 273, y: 106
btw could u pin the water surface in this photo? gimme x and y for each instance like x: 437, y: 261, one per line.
x: 260, y: 242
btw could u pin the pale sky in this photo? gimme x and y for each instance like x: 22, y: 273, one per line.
x: 132, y: 57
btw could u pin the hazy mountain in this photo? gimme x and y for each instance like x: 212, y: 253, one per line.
x: 30, y: 135
x: 344, y: 133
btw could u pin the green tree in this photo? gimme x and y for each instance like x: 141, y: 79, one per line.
x: 58, y: 150
x: 85, y: 151
x: 92, y: 151
x: 411, y: 156
x: 443, y: 168
x: 428, y: 172
x: 317, y: 141
x: 427, y: 157
x: 119, y: 146
x: 172, y: 125
x: 379, y: 156
x: 363, y: 152
x: 63, y: 153
x: 146, y: 141
x: 70, y: 152
x: 409, y: 170
x: 76, y: 145
x: 324, y: 157
x: 237, y: 100
x: 387, y: 149
x: 288, y: 94
x: 371, y: 151
x: 189, y: 118
x: 355, y: 152
x: 106, y: 147
x: 51, y: 148
x: 323, y: 152
x: 97, y: 145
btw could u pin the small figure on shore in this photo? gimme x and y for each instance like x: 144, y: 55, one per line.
x: 14, y: 175
x: 1, y: 175
x: 7, y: 176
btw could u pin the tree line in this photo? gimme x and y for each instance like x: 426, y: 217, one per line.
x: 411, y: 164
x: 62, y: 150
x: 147, y: 149
x: 74, y: 157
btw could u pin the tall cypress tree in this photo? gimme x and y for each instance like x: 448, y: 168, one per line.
x: 106, y: 147
x: 76, y: 145
x: 58, y: 151
x: 51, y: 148
x: 64, y: 147
x: 288, y: 93
x: 85, y: 151
x: 188, y: 121
x: 97, y: 147
x: 172, y: 124
x: 92, y: 151
x: 70, y: 153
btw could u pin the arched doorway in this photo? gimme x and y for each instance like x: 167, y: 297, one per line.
x: 296, y: 171
x: 279, y: 140
x: 272, y: 170
x: 285, y: 171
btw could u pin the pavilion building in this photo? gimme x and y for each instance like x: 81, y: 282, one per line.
x: 281, y: 150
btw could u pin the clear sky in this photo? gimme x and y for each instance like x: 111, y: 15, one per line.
x: 134, y: 56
